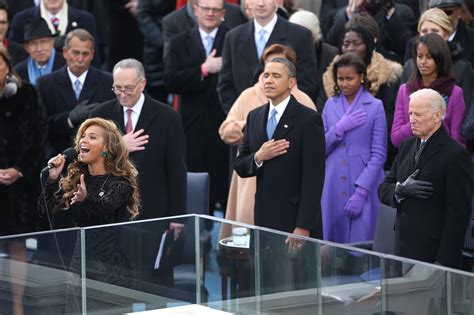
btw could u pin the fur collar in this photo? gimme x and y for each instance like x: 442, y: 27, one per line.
x: 380, y: 71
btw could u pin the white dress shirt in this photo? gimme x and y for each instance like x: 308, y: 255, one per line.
x: 136, y: 110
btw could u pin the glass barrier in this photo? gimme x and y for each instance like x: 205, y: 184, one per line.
x: 200, y: 262
x: 36, y: 275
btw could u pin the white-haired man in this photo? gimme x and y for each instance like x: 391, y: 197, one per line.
x: 430, y: 184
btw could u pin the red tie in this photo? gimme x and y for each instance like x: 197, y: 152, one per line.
x: 129, y: 125
x: 55, y: 22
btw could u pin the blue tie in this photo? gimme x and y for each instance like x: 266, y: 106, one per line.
x: 271, y: 124
x: 209, y: 43
x: 260, y: 43
x: 77, y: 88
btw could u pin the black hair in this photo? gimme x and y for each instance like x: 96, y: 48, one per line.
x: 350, y: 59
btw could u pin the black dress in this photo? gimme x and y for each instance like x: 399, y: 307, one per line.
x: 106, y: 261
x: 22, y: 130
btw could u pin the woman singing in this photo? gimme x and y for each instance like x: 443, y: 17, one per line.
x: 100, y: 188
x: 101, y: 184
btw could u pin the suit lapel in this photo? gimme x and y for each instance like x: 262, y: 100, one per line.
x: 278, y: 34
x: 90, y: 85
x: 147, y: 115
x: 261, y: 124
x: 66, y: 91
x: 432, y: 147
x: 195, y: 38
x: 287, y: 120
x: 248, y: 49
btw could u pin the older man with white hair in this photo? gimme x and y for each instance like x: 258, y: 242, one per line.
x: 430, y: 184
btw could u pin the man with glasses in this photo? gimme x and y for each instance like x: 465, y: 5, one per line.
x: 70, y: 93
x: 155, y: 139
x: 191, y: 71
x: 39, y: 43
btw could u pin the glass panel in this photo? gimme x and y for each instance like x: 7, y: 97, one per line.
x: 350, y: 281
x: 36, y: 275
x: 461, y: 293
x: 414, y: 288
x: 140, y: 266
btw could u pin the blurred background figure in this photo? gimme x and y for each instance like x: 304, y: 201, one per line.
x: 396, y: 23
x: 22, y: 130
x: 356, y: 147
x: 460, y: 19
x: 191, y: 70
x: 61, y: 19
x: 16, y: 51
x: 433, y: 70
x: 43, y: 59
x: 325, y: 53
x: 150, y: 14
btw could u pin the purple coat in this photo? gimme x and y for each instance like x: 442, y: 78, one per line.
x: 401, y: 129
x: 356, y: 159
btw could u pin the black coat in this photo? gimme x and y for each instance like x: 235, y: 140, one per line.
x: 199, y: 108
x: 432, y: 229
x: 17, y: 52
x: 289, y: 187
x: 57, y: 95
x: 181, y: 21
x: 22, y: 134
x: 162, y: 165
x: 241, y: 67
x: 76, y: 19
x: 22, y: 67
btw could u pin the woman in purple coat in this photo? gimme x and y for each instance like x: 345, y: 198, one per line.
x: 432, y: 56
x: 356, y: 145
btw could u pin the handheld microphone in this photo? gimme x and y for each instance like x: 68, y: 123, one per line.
x: 70, y: 154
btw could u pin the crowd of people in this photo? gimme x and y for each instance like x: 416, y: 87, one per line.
x: 314, y: 102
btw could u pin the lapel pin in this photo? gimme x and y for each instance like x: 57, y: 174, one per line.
x: 286, y: 126
x: 74, y: 24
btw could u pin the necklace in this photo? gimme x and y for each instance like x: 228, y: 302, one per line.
x: 102, y: 191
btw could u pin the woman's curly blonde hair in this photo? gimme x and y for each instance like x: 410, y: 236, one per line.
x: 117, y: 163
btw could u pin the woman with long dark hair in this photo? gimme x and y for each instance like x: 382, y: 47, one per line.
x: 432, y: 58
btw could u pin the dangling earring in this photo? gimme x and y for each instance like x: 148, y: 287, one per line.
x: 105, y: 154
x: 362, y: 81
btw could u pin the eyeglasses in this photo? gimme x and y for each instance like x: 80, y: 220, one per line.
x: 127, y: 90
x: 208, y: 9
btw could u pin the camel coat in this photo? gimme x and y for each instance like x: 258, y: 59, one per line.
x: 240, y: 202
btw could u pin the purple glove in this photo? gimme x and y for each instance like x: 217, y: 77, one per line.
x: 349, y: 122
x: 355, y: 204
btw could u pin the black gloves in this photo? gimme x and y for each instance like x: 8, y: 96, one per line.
x: 81, y: 112
x: 412, y: 188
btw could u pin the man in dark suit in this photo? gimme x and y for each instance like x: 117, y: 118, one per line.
x: 191, y: 71
x: 430, y: 184
x: 184, y: 19
x: 289, y: 162
x: 284, y: 147
x: 39, y: 43
x: 70, y: 93
x: 244, y: 45
x: 61, y: 19
x: 155, y: 138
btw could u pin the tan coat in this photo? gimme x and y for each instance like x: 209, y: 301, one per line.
x: 240, y: 202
